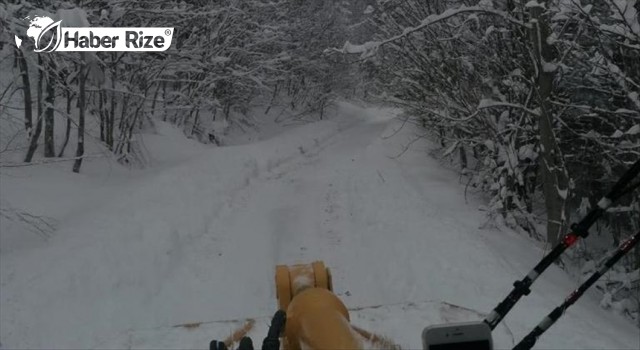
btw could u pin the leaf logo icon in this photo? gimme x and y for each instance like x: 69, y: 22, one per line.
x: 55, y: 39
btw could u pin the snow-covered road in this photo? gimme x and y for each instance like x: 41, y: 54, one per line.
x: 197, y: 242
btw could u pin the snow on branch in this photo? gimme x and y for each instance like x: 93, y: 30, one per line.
x: 588, y: 108
x: 534, y: 3
x: 364, y: 48
x: 486, y: 103
x: 369, y: 47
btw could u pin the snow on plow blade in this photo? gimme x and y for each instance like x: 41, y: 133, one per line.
x: 316, y: 318
x: 291, y: 280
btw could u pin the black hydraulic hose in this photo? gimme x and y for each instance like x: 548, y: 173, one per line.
x: 530, y: 339
x: 579, y: 230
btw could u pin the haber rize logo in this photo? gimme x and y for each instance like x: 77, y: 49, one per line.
x: 38, y: 26
x: 49, y: 35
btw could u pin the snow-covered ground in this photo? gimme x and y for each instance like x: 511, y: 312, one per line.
x: 194, y: 240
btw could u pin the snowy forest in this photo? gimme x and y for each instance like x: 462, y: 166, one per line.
x: 528, y: 112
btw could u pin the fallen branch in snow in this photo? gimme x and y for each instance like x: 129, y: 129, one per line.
x: 396, y: 131
x: 406, y: 147
x: 41, y: 225
x: 48, y: 161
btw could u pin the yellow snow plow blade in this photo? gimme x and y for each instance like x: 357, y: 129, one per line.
x: 316, y: 318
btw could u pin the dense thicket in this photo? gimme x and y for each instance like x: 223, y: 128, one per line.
x: 485, y: 81
x: 537, y: 101
x: 225, y: 56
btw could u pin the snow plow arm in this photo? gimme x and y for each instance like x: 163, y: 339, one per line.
x: 316, y: 318
x: 309, y: 316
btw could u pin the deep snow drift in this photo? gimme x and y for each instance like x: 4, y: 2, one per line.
x: 195, y: 239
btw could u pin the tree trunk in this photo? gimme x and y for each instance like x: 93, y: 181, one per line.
x: 196, y: 121
x: 112, y: 113
x: 33, y: 145
x: 273, y: 98
x: 155, y: 99
x: 164, y: 101
x: 68, y: 131
x: 81, y: 108
x: 122, y: 124
x: 553, y: 172
x: 49, y: 143
x: 103, y: 116
x: 26, y: 91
